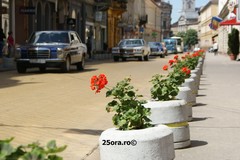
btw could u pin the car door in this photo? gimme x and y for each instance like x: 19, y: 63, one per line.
x: 74, y: 45
x: 146, y: 47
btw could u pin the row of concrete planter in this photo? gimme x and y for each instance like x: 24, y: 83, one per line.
x: 171, y: 130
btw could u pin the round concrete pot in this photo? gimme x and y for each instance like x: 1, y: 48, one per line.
x: 189, y: 82
x: 173, y: 114
x: 194, y: 77
x: 185, y: 94
x: 144, y: 144
x: 198, y: 76
x: 200, y: 67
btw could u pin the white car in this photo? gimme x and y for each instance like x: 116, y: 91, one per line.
x: 131, y: 48
x: 196, y: 49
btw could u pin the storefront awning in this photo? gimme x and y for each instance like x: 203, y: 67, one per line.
x: 230, y: 22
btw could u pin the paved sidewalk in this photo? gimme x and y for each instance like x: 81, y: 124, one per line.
x: 215, y: 128
x: 216, y: 125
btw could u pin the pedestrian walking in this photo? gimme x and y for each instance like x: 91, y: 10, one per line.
x: 215, y: 48
x: 89, y: 47
x: 2, y: 38
x: 11, y: 45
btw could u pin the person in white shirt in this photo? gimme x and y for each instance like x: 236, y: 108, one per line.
x: 215, y: 48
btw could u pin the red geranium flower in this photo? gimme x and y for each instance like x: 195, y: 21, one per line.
x: 98, y: 83
x: 176, y: 57
x: 186, y: 70
x: 165, y: 68
x: 170, y: 62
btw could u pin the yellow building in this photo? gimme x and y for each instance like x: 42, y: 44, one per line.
x: 206, y: 34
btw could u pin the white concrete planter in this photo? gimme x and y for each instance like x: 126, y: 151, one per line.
x: 185, y: 93
x: 144, y: 144
x: 196, y: 85
x: 173, y: 114
x: 200, y: 67
x: 198, y: 76
x: 189, y: 82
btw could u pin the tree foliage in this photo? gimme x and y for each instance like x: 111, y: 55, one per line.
x: 190, y: 37
x: 233, y: 41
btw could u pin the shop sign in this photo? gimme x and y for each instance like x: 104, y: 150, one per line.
x: 98, y: 16
x: 27, y: 10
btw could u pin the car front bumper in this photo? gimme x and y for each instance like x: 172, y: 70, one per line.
x: 40, y: 62
x: 128, y: 54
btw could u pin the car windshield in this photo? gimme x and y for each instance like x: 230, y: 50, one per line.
x: 130, y: 42
x: 154, y: 44
x: 49, y: 37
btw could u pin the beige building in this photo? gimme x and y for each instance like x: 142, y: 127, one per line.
x: 223, y: 31
x: 206, y: 34
x: 147, y: 19
x: 166, y: 19
x: 153, y: 27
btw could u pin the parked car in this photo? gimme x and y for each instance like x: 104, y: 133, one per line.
x: 196, y: 49
x: 165, y: 51
x: 131, y: 48
x: 51, y: 49
x: 210, y: 49
x: 156, y: 49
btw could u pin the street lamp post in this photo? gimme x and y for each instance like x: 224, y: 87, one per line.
x: 161, y: 26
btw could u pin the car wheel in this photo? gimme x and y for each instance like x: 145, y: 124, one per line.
x: 42, y: 69
x: 124, y: 58
x: 81, y: 65
x: 146, y: 58
x: 115, y: 58
x: 140, y: 58
x: 66, y: 65
x: 21, y: 68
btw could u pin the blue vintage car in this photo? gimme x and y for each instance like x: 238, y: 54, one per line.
x: 51, y: 49
x: 156, y: 49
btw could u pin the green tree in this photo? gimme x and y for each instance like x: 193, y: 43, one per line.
x: 181, y: 34
x: 233, y: 41
x: 191, y: 38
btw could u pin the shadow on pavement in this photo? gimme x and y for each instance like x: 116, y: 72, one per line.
x: 197, y: 143
x: 84, y: 131
x: 201, y: 95
x: 195, y: 119
x: 67, y: 130
x: 199, y: 105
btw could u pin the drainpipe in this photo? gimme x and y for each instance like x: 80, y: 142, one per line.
x: 1, y: 13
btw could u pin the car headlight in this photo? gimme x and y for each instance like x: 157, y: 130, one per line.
x: 18, y: 53
x: 60, y: 53
x: 137, y: 50
x: 115, y: 50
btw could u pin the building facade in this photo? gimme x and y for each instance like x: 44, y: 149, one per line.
x: 189, y: 15
x: 105, y: 22
x: 85, y: 17
x: 206, y: 34
x: 224, y: 30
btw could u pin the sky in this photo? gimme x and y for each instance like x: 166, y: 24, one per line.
x: 177, y: 7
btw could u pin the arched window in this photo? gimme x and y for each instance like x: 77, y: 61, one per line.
x: 47, y: 14
x: 39, y: 16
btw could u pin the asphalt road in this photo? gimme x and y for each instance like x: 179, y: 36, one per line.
x: 53, y: 105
